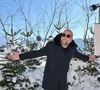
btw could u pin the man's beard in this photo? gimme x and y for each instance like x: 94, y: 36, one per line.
x: 65, y: 44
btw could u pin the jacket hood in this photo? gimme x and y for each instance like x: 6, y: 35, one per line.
x: 57, y: 40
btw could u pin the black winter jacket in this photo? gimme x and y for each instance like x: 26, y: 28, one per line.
x: 58, y: 59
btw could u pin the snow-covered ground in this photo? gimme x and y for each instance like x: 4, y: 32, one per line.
x: 80, y: 81
x: 85, y: 82
x: 77, y: 80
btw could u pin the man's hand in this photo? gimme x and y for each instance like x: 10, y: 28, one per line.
x: 92, y: 58
x: 13, y: 56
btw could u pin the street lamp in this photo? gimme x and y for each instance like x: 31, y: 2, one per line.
x: 93, y: 8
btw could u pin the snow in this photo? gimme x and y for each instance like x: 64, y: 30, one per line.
x: 77, y: 80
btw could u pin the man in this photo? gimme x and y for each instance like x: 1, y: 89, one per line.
x: 59, y: 53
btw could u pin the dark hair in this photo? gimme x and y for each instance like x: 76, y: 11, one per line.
x: 57, y: 39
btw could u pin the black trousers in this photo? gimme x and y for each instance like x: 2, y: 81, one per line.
x: 60, y: 86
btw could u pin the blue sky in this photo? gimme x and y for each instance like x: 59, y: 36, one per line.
x: 37, y: 10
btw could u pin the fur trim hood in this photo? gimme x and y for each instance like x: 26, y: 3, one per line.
x: 58, y: 38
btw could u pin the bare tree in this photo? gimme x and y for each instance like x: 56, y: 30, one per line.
x: 12, y: 34
x: 27, y: 34
x: 56, y: 16
x: 4, y: 29
x: 48, y: 17
x: 87, y: 15
x: 59, y: 25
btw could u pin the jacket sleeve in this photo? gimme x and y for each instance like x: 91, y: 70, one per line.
x: 81, y: 56
x: 36, y: 53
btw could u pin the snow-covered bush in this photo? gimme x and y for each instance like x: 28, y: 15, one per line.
x: 13, y: 75
x: 84, y: 75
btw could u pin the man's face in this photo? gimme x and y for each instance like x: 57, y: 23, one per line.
x: 66, y: 37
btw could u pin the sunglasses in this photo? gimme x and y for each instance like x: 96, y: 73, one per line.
x: 67, y: 36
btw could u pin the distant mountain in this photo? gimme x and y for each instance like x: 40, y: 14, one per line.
x: 80, y: 43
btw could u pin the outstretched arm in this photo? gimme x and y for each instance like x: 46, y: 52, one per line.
x: 32, y: 54
x: 84, y: 57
